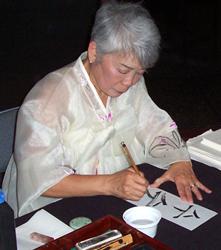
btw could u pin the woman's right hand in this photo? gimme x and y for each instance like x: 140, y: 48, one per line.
x: 127, y: 184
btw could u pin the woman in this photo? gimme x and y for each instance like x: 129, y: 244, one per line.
x: 72, y: 122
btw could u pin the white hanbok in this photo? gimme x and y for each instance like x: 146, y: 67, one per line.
x: 63, y: 128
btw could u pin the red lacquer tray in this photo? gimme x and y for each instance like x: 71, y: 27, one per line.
x: 100, y: 226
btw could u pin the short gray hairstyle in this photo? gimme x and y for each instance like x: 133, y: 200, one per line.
x: 126, y: 27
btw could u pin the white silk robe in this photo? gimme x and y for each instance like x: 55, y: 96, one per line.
x: 63, y: 128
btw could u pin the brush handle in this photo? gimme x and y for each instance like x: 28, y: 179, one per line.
x: 129, y: 157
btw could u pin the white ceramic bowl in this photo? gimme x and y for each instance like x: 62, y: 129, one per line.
x: 144, y: 219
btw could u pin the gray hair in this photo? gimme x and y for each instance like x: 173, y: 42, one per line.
x: 126, y: 28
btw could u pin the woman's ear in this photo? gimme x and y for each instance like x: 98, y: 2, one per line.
x: 92, y: 51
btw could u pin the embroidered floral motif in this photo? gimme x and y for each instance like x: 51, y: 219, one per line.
x: 161, y: 145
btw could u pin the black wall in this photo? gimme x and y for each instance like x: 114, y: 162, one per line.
x: 40, y: 36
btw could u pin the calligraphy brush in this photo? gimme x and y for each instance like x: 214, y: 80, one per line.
x: 131, y: 161
x: 129, y: 157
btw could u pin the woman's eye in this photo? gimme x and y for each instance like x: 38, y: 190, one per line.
x: 123, y: 71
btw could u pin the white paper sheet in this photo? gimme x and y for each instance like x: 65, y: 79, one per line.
x: 172, y: 208
x: 213, y: 140
x: 205, y: 148
x: 41, y: 222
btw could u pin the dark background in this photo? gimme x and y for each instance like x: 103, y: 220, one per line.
x: 37, y: 37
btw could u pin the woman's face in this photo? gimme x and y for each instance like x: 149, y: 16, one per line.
x: 115, y: 73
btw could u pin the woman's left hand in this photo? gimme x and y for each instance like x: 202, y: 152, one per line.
x: 185, y: 179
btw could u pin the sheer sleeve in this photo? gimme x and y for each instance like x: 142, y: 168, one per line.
x: 158, y: 133
x: 39, y: 153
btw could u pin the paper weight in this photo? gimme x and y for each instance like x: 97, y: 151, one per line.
x: 79, y: 222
